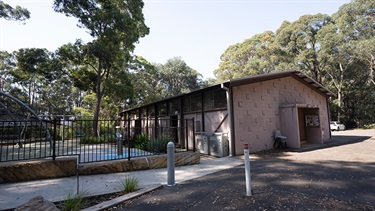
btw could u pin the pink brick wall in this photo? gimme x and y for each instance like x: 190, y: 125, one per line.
x: 256, y: 110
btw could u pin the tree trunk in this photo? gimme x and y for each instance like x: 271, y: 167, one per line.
x: 339, y: 93
x: 99, y: 96
x: 372, y: 67
x: 95, y: 128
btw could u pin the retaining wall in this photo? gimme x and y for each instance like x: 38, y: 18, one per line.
x: 17, y: 171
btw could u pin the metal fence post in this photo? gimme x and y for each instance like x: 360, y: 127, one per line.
x: 54, y: 139
x: 193, y: 135
x: 187, y: 134
x: 170, y: 164
x: 128, y: 136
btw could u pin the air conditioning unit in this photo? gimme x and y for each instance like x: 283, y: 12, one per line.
x: 202, y: 144
x: 219, y: 145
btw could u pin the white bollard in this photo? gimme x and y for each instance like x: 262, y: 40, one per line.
x: 170, y: 164
x: 247, y: 170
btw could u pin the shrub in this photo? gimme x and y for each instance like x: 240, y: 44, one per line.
x: 73, y: 203
x: 369, y: 126
x: 130, y: 184
x: 107, y: 138
x: 159, y: 145
x: 90, y: 140
x: 68, y: 132
x: 141, y: 141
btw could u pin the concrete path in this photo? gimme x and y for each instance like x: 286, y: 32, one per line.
x: 15, y: 194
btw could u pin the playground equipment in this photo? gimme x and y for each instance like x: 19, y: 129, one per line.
x: 19, y: 124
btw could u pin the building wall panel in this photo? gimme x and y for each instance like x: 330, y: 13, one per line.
x: 256, y: 109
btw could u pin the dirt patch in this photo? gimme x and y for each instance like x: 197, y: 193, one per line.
x: 94, y: 200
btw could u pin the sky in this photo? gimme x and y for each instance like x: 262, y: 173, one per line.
x: 197, y: 31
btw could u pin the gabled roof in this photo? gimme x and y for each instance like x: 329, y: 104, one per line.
x: 274, y: 75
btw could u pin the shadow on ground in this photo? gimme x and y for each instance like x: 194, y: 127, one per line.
x: 278, y: 183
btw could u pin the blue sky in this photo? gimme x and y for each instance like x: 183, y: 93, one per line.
x: 198, y: 31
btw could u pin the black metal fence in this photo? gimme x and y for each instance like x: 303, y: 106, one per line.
x: 34, y: 139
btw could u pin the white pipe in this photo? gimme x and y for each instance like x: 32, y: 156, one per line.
x: 247, y: 170
x: 229, y: 110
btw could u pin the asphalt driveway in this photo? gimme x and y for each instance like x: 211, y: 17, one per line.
x: 337, y: 176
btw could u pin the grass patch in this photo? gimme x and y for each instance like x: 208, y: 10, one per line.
x: 130, y: 184
x: 74, y: 203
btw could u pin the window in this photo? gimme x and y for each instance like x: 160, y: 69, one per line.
x: 186, y: 104
x: 215, y: 99
x: 174, y: 107
x: 208, y: 99
x: 151, y: 110
x: 195, y: 103
x: 143, y: 112
x: 220, y: 98
x: 162, y: 109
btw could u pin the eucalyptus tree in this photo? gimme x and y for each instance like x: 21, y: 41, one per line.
x: 349, y: 45
x: 299, y: 40
x: 253, y: 56
x: 6, y: 65
x: 177, y: 77
x: 356, y: 21
x: 146, y: 81
x: 38, y: 78
x: 115, y: 26
x: 13, y: 13
x: 31, y: 72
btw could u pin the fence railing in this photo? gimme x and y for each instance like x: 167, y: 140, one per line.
x: 34, y: 139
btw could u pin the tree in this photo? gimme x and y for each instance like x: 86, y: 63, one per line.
x: 32, y: 71
x: 349, y: 45
x: 9, y: 13
x: 299, y: 40
x: 177, y: 77
x: 115, y: 26
x: 146, y: 82
x: 6, y: 65
x: 251, y: 57
x: 39, y: 79
x: 356, y: 20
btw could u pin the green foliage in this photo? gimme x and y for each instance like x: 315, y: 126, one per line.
x: 369, y: 126
x: 66, y: 131
x: 159, y: 145
x: 146, y: 84
x: 141, y: 141
x: 337, y: 51
x: 252, y: 56
x: 6, y: 65
x: 130, y: 184
x: 152, y: 82
x: 89, y: 140
x: 115, y: 26
x: 79, y: 111
x: 298, y: 43
x: 17, y: 13
x: 107, y: 138
x: 73, y: 203
x: 178, y: 78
